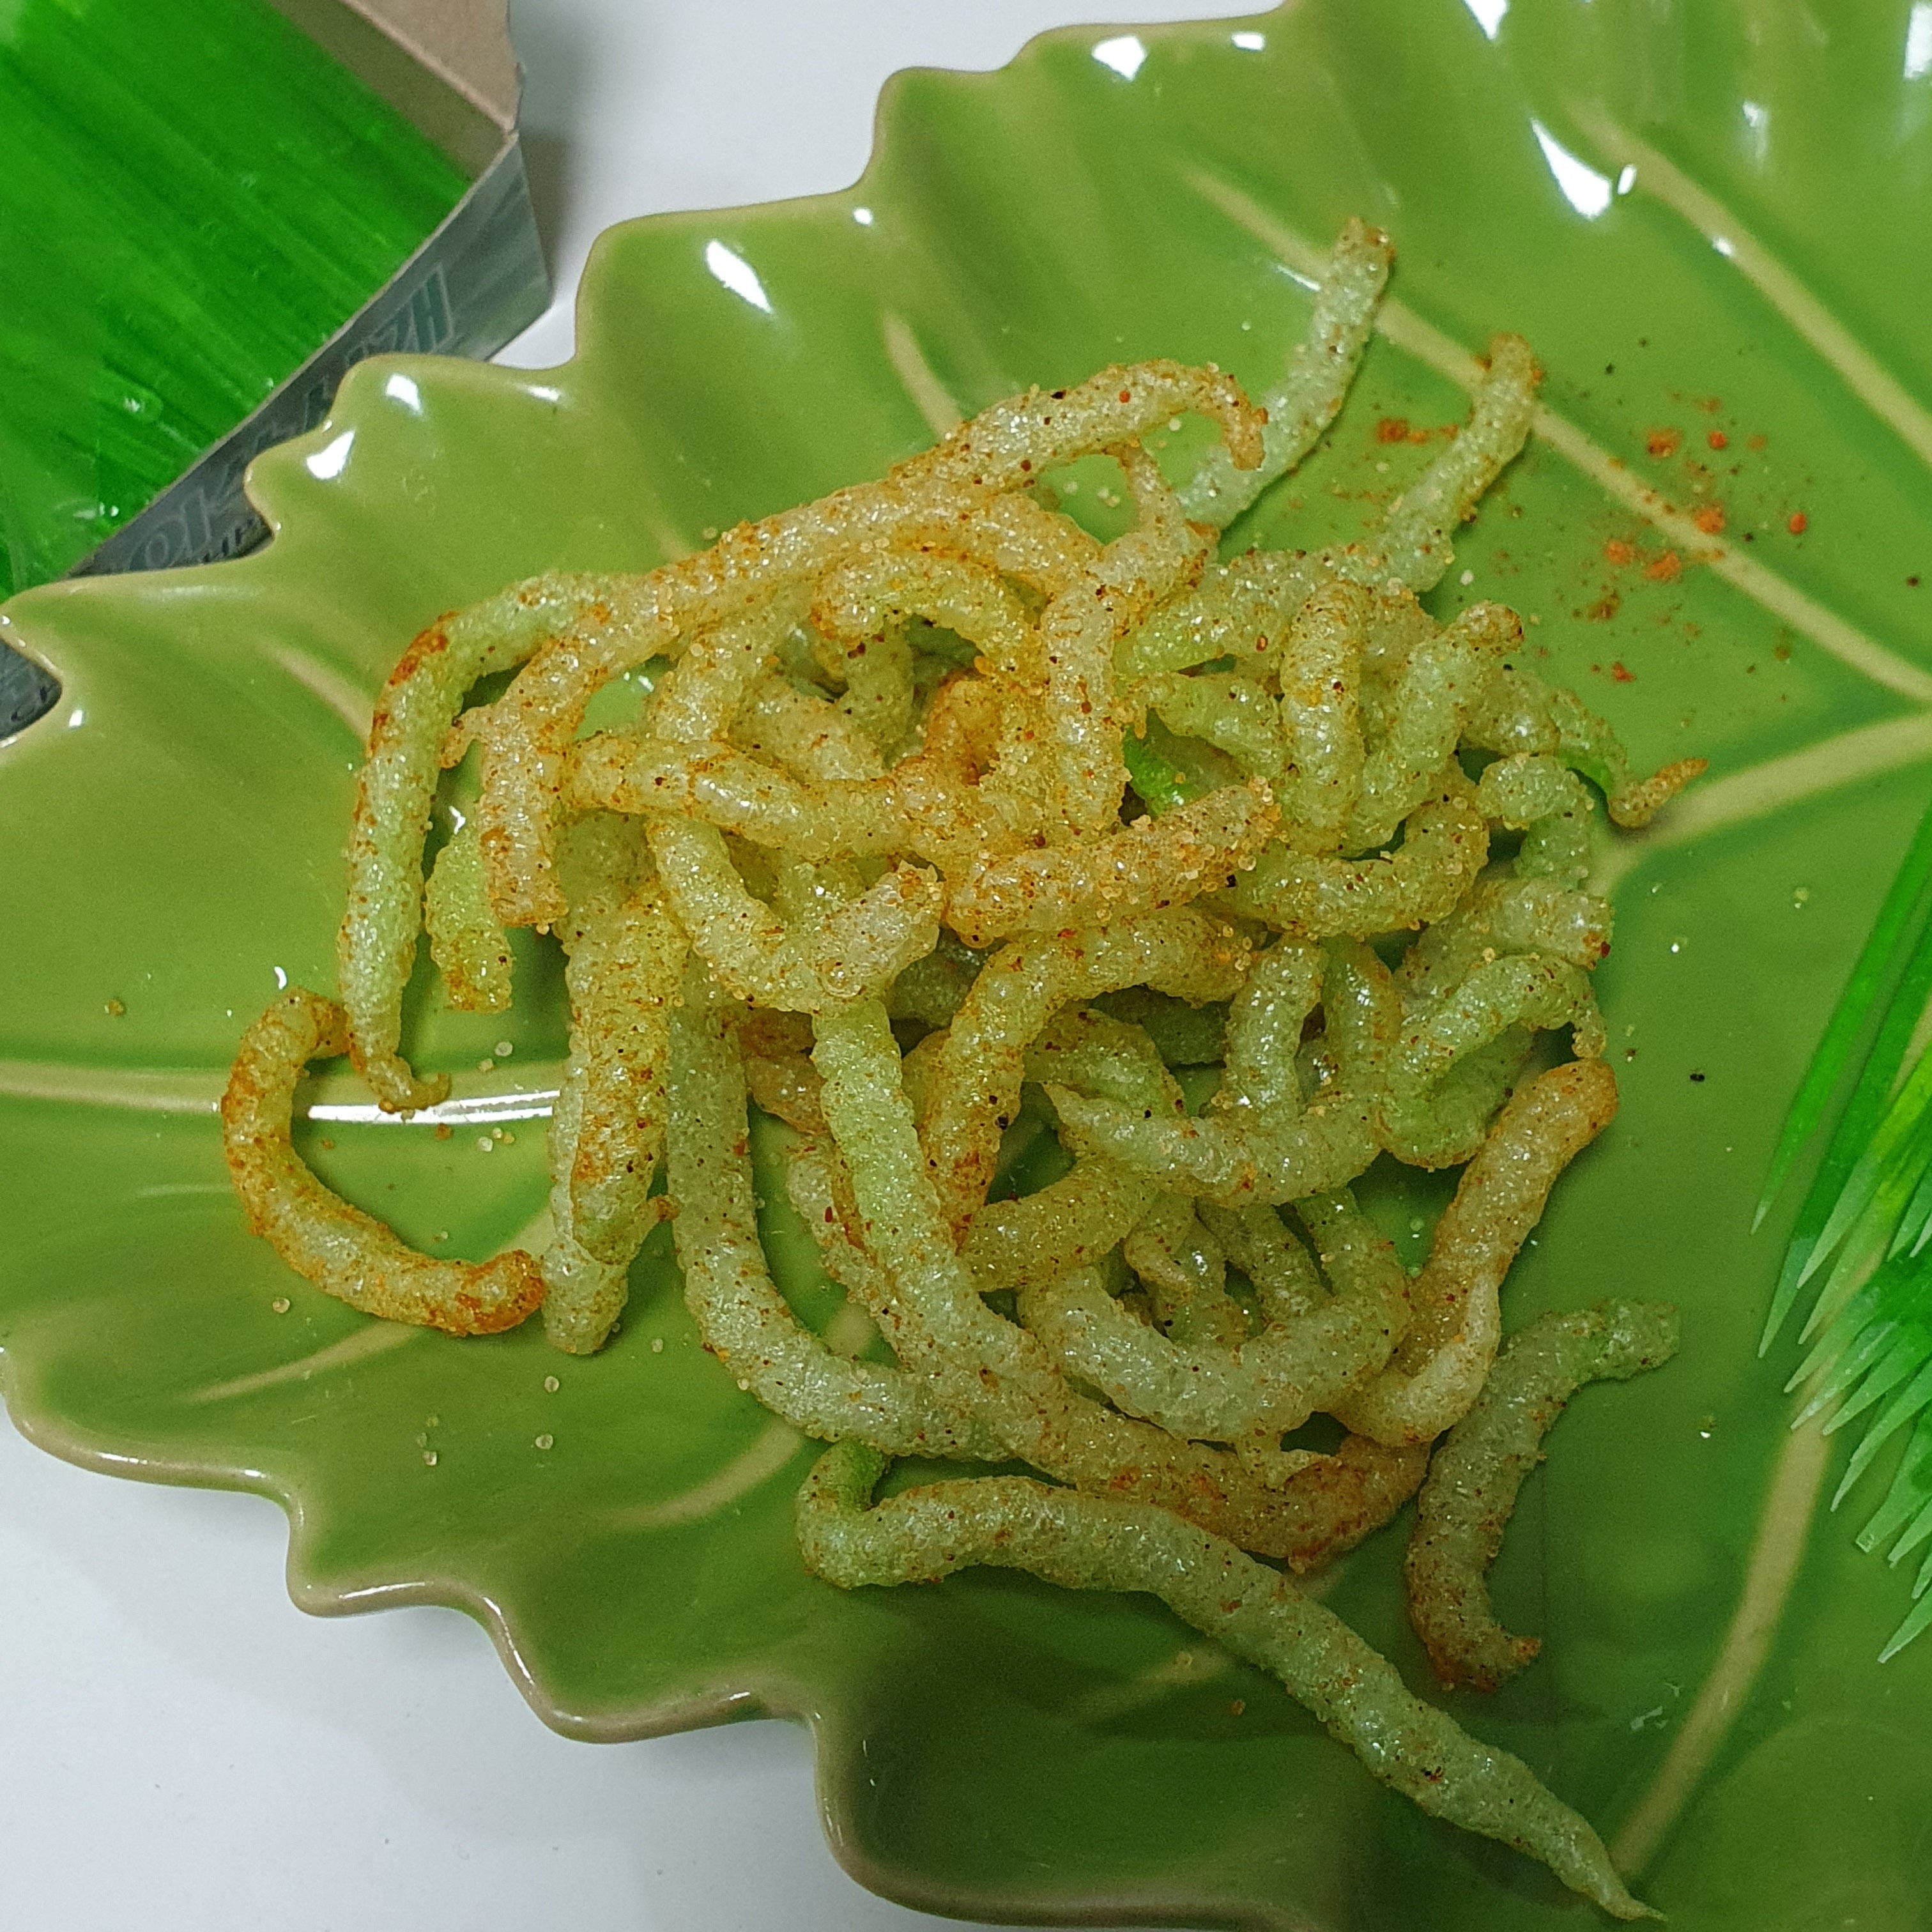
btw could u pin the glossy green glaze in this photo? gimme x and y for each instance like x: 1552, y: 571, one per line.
x: 175, y: 826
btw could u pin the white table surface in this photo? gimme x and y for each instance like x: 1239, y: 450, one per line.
x: 182, y: 1750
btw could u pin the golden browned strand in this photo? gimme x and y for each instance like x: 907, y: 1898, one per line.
x: 1345, y: 1497
x: 526, y: 734
x: 1440, y: 1366
x: 977, y: 1089
x: 786, y: 1088
x: 624, y: 976
x: 1146, y: 867
x: 410, y: 739
x: 1637, y: 804
x: 344, y: 1252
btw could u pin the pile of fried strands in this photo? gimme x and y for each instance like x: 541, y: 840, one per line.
x: 867, y: 856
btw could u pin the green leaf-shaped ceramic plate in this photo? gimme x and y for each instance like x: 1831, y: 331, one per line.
x: 1708, y: 218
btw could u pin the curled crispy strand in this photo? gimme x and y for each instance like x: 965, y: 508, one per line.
x: 1094, y: 1543
x: 526, y: 734
x: 1185, y: 1274
x: 469, y: 947
x: 757, y: 956
x: 1440, y: 1122
x: 1444, y: 847
x: 1302, y: 405
x: 1208, y: 1391
x: 1258, y: 1144
x: 1503, y: 917
x: 584, y: 1296
x: 1151, y: 864
x: 744, y: 1321
x: 1344, y: 1498
x: 1638, y: 803
x: 377, y: 945
x: 1520, y: 714
x: 602, y: 859
x: 1473, y: 1477
x: 974, y: 1359
x: 1543, y: 798
x: 1320, y: 671
x: 816, y: 820
x: 1022, y: 540
x: 1231, y: 1163
x: 1077, y: 632
x: 1520, y: 990
x: 1241, y: 610
x: 803, y: 734
x: 344, y: 1252
x: 1440, y: 685
x: 786, y: 1088
x: 1235, y: 714
x: 862, y: 610
x: 1279, y: 1267
x: 1073, y: 1223
x: 1417, y: 549
x: 625, y: 977
x: 1440, y: 1366
x: 977, y: 1092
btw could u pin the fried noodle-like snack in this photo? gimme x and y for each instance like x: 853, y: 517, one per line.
x: 344, y: 1252
x: 938, y: 826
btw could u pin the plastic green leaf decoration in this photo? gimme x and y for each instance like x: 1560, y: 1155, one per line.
x: 1870, y: 1206
x: 170, y: 841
